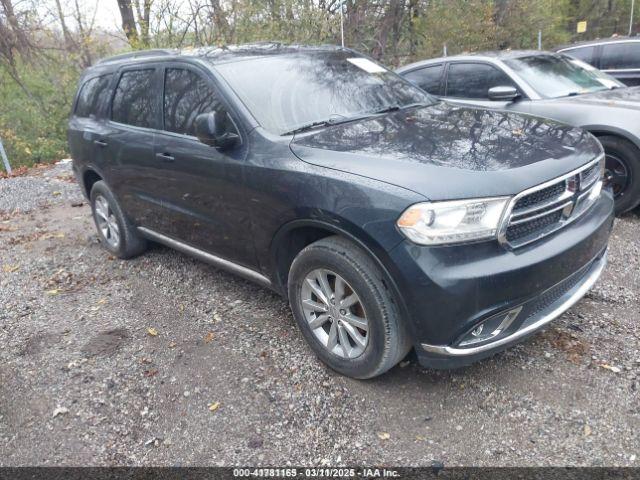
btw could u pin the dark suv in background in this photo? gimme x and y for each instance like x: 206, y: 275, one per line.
x: 617, y: 56
x: 389, y: 219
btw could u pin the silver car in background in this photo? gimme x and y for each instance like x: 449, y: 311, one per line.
x: 550, y: 85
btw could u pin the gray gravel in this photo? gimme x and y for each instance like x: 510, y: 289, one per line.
x: 24, y: 194
x: 228, y: 380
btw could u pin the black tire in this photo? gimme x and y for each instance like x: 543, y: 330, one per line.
x: 130, y: 243
x: 388, y: 336
x: 629, y: 155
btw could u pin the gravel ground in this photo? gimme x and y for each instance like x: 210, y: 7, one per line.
x: 163, y: 360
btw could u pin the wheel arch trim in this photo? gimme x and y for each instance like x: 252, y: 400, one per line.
x: 368, y: 247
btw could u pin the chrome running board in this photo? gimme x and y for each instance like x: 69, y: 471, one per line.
x: 221, y: 263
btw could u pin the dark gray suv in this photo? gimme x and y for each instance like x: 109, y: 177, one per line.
x: 389, y: 220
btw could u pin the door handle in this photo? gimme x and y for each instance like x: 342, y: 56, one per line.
x: 100, y: 143
x: 165, y: 157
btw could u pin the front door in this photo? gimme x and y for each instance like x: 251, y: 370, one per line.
x: 202, y: 188
x: 468, y: 83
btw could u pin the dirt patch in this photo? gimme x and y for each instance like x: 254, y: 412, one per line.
x: 567, y: 342
x: 38, y: 343
x: 106, y: 343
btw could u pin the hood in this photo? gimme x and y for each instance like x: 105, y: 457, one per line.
x: 627, y: 98
x: 447, y: 152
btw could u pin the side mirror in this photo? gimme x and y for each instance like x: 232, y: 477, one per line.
x: 216, y: 130
x: 504, y: 94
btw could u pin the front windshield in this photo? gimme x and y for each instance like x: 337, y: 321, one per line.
x: 287, y: 92
x: 554, y: 76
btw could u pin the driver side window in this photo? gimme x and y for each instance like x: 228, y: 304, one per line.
x: 186, y: 95
x: 473, y: 80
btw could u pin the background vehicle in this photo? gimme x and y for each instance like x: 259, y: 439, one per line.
x: 618, y: 56
x: 553, y: 86
x: 389, y: 219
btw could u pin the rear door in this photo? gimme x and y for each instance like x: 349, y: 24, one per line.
x: 622, y: 60
x: 204, y: 199
x: 429, y: 78
x: 87, y: 123
x: 134, y: 172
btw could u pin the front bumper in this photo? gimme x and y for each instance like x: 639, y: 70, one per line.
x: 533, y: 316
x: 449, y: 291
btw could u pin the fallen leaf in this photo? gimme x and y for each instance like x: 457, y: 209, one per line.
x: 208, y: 337
x: 587, y: 430
x: 173, y: 345
x: 610, y: 367
x: 420, y: 438
x: 384, y: 436
x: 10, y: 268
x: 55, y: 291
x: 214, y: 406
x: 102, y: 301
x: 56, y: 193
x: 152, y: 331
x: 60, y: 411
x: 150, y: 373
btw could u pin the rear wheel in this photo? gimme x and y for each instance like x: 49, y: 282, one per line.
x: 117, y: 234
x: 622, y: 172
x: 344, y: 310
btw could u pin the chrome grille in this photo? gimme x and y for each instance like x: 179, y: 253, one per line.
x: 542, y: 210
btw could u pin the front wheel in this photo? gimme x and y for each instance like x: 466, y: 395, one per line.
x: 344, y: 310
x: 622, y: 172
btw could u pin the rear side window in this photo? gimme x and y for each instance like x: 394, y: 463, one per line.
x: 583, y: 53
x: 427, y: 78
x: 133, y: 100
x: 620, y: 55
x: 92, y: 96
x: 473, y: 80
x: 186, y: 95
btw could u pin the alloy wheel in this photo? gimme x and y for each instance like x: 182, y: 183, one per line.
x: 616, y: 174
x: 107, y: 222
x: 335, y: 313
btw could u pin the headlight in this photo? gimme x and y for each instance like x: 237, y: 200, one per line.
x: 458, y: 221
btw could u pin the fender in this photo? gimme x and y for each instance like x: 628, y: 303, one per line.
x: 375, y: 252
x: 611, y: 130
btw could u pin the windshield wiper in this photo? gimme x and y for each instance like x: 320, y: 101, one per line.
x: 309, y: 126
x: 395, y: 108
x: 337, y: 121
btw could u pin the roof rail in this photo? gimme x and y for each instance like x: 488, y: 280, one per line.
x: 158, y: 52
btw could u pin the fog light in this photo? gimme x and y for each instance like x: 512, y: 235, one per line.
x: 490, y: 328
x: 477, y: 331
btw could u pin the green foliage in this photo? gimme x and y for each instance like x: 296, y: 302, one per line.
x: 33, y: 115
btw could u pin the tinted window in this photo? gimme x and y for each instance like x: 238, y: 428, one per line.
x: 583, y: 53
x: 427, y: 78
x: 620, y: 55
x: 92, y: 95
x: 473, y: 80
x: 133, y: 100
x: 286, y: 92
x: 186, y: 95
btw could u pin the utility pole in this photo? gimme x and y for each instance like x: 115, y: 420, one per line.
x: 342, y: 22
x: 631, y: 17
x: 5, y: 160
x: 539, y: 39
